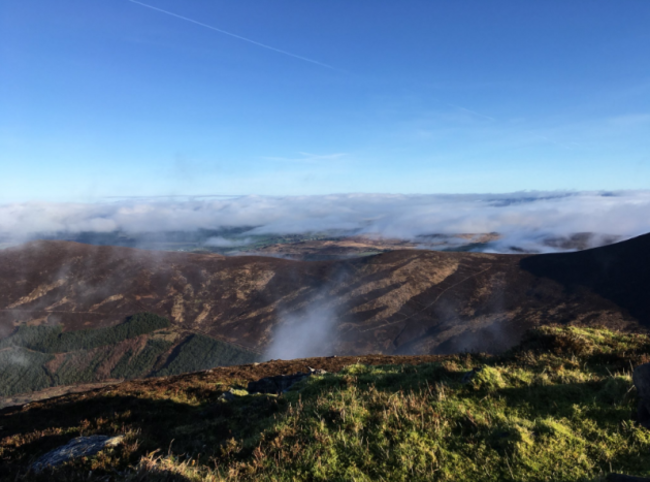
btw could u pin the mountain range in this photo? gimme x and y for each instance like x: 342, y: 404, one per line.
x: 398, y: 302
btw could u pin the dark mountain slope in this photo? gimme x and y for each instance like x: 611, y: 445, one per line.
x: 620, y: 273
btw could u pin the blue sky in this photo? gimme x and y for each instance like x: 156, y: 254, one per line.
x: 111, y: 98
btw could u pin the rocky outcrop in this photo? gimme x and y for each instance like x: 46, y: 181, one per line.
x: 281, y: 383
x: 78, y: 447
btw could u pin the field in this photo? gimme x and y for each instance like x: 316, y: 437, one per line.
x: 558, y: 407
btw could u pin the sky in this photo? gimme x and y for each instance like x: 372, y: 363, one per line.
x: 118, y: 98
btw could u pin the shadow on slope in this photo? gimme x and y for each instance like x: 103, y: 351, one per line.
x: 619, y: 272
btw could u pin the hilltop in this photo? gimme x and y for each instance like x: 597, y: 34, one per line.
x: 557, y: 407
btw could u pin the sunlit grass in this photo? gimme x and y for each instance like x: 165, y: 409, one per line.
x: 558, y: 408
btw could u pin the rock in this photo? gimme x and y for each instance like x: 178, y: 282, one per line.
x: 277, y: 384
x: 281, y: 383
x: 227, y: 396
x: 78, y: 447
x: 641, y: 378
x: 625, y: 478
x: 469, y: 376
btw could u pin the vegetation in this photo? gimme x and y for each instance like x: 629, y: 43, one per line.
x: 558, y: 408
x: 51, y: 339
x: 22, y: 368
x: 199, y: 352
x: 82, y: 356
x: 132, y: 364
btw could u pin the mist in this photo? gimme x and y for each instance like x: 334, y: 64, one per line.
x: 307, y: 334
x: 522, y: 218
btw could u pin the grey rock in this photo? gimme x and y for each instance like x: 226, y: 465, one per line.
x: 227, y: 396
x: 641, y: 378
x: 469, y: 376
x: 277, y: 384
x: 281, y: 383
x: 78, y: 447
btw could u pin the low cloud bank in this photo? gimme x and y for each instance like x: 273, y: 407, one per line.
x: 523, y: 218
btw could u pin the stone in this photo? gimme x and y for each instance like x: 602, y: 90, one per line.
x: 281, y: 383
x: 227, y: 396
x: 277, y: 384
x: 78, y: 447
x: 469, y: 376
x: 641, y: 378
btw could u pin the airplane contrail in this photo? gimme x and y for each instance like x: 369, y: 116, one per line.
x: 259, y: 44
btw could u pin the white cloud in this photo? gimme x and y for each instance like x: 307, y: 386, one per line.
x: 521, y: 217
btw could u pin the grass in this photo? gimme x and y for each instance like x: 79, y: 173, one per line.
x: 557, y: 408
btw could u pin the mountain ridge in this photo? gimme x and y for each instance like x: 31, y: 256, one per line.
x: 397, y: 302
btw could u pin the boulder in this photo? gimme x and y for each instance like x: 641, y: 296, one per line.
x: 280, y: 383
x: 277, y: 384
x: 469, y: 376
x: 78, y: 447
x: 641, y: 378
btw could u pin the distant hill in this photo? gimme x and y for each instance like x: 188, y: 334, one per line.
x: 399, y: 302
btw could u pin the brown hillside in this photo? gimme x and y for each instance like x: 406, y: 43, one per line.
x: 394, y: 303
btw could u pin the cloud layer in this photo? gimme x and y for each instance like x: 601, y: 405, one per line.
x: 522, y: 218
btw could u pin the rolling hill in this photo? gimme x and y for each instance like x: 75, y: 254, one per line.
x: 398, y: 302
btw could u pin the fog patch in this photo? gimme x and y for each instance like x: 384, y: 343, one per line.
x: 15, y: 357
x: 306, y: 334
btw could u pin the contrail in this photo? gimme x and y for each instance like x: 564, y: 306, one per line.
x: 235, y: 35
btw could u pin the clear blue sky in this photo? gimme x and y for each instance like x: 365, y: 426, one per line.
x: 111, y: 98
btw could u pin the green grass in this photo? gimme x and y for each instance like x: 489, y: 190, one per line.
x: 557, y: 408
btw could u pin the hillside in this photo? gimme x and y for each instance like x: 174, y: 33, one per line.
x: 39, y: 357
x: 398, y: 302
x: 557, y: 407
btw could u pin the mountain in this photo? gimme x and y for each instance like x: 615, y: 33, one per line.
x: 399, y: 302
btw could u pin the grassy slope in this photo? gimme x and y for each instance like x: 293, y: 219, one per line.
x: 558, y: 408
